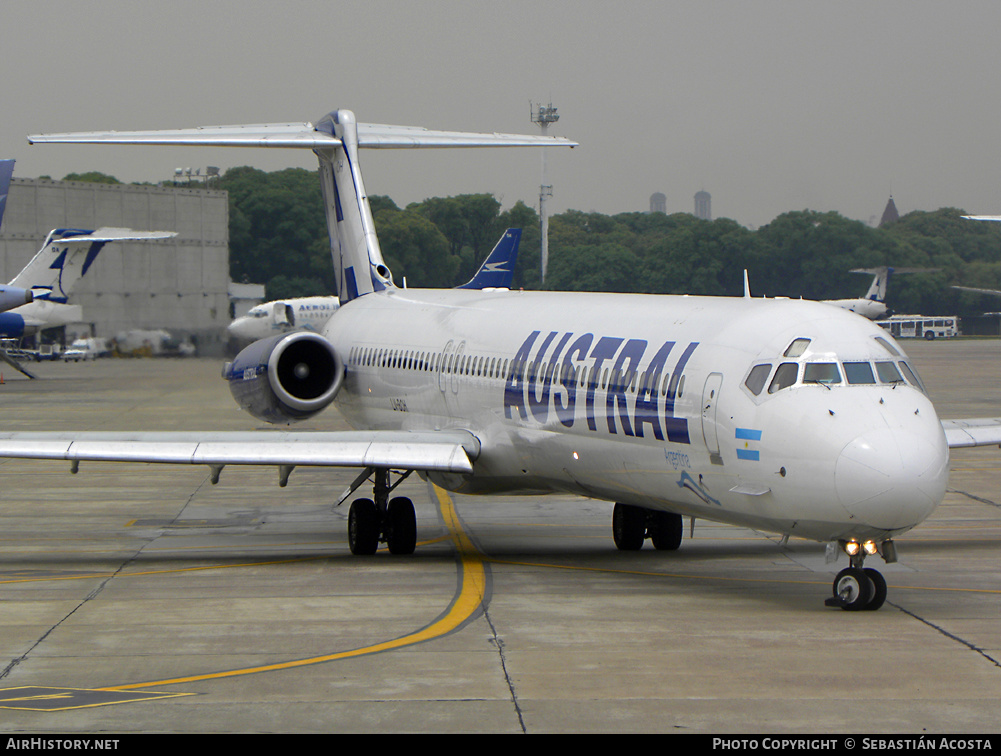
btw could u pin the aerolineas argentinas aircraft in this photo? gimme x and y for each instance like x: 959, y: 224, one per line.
x: 784, y: 415
x: 873, y: 304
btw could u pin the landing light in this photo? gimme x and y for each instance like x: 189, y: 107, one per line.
x: 853, y: 548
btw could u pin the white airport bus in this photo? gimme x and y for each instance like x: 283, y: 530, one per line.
x: 921, y: 327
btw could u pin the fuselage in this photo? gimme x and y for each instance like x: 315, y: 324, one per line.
x: 874, y: 309
x: 282, y: 316
x: 37, y: 315
x: 787, y: 415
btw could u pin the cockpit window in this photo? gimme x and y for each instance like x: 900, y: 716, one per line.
x: 796, y: 348
x: 888, y: 373
x: 785, y: 376
x: 757, y: 377
x: 859, y: 372
x: 912, y: 376
x: 821, y: 372
x: 888, y: 346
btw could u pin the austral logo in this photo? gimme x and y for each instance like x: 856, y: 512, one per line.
x: 565, y: 370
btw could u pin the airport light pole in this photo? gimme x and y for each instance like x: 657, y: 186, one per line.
x: 544, y: 115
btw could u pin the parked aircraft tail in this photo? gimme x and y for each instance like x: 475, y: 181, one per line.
x: 66, y: 256
x: 359, y: 267
x: 6, y: 172
x: 880, y: 278
x: 10, y: 296
x: 497, y: 270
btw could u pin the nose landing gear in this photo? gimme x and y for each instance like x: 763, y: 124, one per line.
x: 860, y: 588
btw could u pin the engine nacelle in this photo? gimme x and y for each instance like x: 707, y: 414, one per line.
x: 11, y: 325
x: 285, y: 378
x: 11, y: 297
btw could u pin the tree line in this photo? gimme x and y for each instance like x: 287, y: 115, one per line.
x: 278, y: 237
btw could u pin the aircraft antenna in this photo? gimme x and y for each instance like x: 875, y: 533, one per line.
x: 544, y: 115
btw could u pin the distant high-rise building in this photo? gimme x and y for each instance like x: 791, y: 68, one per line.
x: 658, y: 203
x: 703, y: 205
x: 890, y: 214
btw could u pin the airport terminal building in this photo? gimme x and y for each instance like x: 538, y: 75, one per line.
x: 180, y: 285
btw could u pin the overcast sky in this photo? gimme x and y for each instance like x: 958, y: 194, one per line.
x: 769, y: 105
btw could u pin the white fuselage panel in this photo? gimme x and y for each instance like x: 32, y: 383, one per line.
x: 641, y: 399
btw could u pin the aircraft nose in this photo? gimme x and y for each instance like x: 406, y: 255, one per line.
x: 238, y: 328
x: 891, y: 480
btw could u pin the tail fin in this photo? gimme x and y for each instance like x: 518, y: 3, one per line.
x: 10, y: 296
x: 881, y: 278
x: 66, y: 256
x: 359, y: 267
x: 6, y: 172
x: 497, y: 270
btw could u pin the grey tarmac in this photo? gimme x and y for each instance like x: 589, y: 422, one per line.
x: 141, y: 598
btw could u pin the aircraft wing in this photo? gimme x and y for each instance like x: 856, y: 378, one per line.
x: 984, y: 431
x: 446, y: 451
x: 983, y: 217
x: 995, y: 292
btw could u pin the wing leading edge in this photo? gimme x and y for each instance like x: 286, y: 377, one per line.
x: 984, y: 431
x: 445, y: 451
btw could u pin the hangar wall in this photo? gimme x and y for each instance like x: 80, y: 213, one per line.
x: 180, y: 285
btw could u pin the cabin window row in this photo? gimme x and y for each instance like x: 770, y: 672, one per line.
x: 496, y: 367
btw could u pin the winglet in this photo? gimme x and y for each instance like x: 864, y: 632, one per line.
x: 747, y: 286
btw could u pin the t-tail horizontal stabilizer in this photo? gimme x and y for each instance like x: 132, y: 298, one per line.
x: 359, y: 267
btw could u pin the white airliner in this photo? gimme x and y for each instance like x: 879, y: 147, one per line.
x: 784, y: 415
x: 282, y: 316
x: 873, y: 305
x: 312, y: 313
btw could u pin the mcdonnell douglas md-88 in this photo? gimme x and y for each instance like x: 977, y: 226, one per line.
x: 787, y: 416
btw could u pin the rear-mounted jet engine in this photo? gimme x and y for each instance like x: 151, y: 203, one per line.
x: 285, y: 378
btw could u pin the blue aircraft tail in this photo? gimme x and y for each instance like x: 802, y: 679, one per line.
x: 6, y: 171
x: 497, y: 270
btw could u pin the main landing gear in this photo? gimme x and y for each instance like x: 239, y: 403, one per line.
x: 858, y: 588
x: 390, y: 521
x: 632, y: 525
